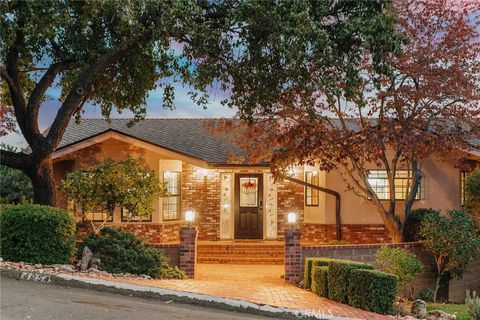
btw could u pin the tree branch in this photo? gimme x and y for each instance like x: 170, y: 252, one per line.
x: 82, y: 88
x: 16, y: 160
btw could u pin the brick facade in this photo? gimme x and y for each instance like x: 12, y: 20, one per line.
x: 154, y: 233
x: 289, y: 199
x: 201, y: 192
x: 351, y: 233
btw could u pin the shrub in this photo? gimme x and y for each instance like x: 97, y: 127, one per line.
x: 453, y: 242
x: 307, y: 272
x: 37, y: 234
x: 413, y: 221
x: 426, y: 294
x: 339, y: 276
x: 473, y: 304
x: 400, y: 262
x: 320, y: 281
x: 372, y: 290
x: 124, y: 252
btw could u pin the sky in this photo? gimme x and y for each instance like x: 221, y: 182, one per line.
x: 184, y: 108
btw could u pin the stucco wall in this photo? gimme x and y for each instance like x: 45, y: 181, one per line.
x: 441, y: 190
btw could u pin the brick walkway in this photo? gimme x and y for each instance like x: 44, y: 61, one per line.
x: 260, y: 284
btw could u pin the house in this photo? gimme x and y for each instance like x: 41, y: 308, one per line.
x: 238, y: 201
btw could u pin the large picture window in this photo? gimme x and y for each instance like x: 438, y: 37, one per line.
x: 311, y: 195
x: 378, y: 180
x: 171, y: 202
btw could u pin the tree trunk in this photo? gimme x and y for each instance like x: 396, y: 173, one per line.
x: 44, y: 190
x: 437, y: 285
x: 394, y: 230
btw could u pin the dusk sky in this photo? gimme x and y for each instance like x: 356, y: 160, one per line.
x: 185, y: 108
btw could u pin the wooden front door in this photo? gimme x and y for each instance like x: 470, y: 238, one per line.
x: 248, y: 206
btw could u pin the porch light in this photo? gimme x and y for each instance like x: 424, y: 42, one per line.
x: 290, y: 171
x: 291, y: 218
x: 190, y: 216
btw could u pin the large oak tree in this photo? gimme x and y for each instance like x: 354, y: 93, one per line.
x: 112, y: 53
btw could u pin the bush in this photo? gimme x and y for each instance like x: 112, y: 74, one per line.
x: 37, y: 234
x: 309, y: 264
x: 399, y: 262
x: 426, y: 294
x: 124, y: 252
x: 320, y: 281
x: 413, y: 221
x: 372, y: 290
x: 339, y: 277
x: 473, y: 304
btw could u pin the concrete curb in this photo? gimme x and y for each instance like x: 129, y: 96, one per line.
x: 69, y: 280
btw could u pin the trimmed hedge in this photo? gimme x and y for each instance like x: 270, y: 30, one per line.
x: 372, y: 290
x: 339, y: 277
x: 320, y: 281
x: 307, y: 271
x: 37, y: 234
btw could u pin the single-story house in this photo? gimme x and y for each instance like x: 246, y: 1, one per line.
x: 238, y: 201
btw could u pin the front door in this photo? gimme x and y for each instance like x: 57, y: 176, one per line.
x: 248, y: 206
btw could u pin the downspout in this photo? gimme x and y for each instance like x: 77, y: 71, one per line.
x: 338, y: 219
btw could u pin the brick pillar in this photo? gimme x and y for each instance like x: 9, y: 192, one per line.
x: 187, y: 253
x: 293, y: 263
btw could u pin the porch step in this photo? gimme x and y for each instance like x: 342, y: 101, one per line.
x: 240, y: 253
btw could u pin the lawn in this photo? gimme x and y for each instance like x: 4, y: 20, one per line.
x: 460, y: 310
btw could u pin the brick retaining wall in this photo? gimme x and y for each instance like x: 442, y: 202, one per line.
x: 351, y: 233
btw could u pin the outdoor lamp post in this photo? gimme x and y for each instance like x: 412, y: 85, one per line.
x: 190, y: 217
x: 292, y: 219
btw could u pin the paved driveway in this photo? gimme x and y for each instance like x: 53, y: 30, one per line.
x: 35, y: 301
x: 260, y: 284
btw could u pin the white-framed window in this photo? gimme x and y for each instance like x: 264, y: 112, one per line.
x: 378, y: 180
x: 127, y: 217
x: 171, y: 203
x: 99, y: 215
x: 311, y: 195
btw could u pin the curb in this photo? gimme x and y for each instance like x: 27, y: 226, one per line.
x: 183, y: 297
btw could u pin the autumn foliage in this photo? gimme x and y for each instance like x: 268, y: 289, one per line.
x: 419, y: 100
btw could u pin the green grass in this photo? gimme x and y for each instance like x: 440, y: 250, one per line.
x: 460, y: 310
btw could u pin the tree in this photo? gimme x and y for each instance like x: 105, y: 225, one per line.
x: 129, y: 184
x: 472, y: 195
x: 452, y: 241
x: 109, y: 53
x: 392, y: 102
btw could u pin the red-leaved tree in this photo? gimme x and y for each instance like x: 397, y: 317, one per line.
x: 423, y: 102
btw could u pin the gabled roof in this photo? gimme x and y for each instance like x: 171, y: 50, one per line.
x: 185, y: 136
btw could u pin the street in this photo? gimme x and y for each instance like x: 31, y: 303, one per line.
x: 31, y: 300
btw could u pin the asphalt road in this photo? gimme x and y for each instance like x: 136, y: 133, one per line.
x: 31, y: 300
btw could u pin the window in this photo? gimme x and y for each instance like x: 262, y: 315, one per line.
x: 171, y: 202
x: 379, y: 182
x: 126, y: 217
x: 99, y: 215
x: 311, y: 195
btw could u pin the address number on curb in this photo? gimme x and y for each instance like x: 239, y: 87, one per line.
x: 34, y: 277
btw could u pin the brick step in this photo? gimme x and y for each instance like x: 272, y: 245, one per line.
x: 252, y: 248
x: 241, y: 254
x: 239, y: 260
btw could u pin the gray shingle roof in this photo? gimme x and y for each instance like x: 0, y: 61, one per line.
x: 186, y: 136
